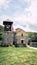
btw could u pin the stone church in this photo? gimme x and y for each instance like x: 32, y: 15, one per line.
x: 21, y: 37
x: 10, y: 37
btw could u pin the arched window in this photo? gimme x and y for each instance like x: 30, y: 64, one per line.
x: 22, y: 34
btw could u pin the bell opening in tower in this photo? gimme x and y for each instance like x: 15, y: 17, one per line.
x: 7, y: 25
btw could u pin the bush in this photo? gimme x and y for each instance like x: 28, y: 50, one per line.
x: 0, y: 36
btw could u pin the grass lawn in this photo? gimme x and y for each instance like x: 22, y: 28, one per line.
x: 17, y: 56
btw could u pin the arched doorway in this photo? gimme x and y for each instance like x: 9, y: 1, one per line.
x: 22, y: 41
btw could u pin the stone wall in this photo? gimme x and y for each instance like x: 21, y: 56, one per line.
x: 19, y: 40
x: 8, y: 37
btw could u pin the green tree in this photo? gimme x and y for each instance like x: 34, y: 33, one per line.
x: 35, y: 35
x: 1, y: 28
x: 29, y: 34
x: 1, y: 31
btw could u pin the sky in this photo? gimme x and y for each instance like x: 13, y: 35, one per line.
x: 23, y: 13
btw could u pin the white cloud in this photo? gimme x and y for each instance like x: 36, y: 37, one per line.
x: 4, y: 17
x: 26, y: 0
x: 4, y: 4
x: 29, y: 16
x: 17, y: 24
x: 33, y: 10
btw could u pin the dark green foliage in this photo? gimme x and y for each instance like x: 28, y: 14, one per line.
x: 16, y: 45
x: 0, y: 36
x: 35, y: 35
x: 32, y: 35
x: 1, y: 28
x: 29, y: 34
x: 1, y: 32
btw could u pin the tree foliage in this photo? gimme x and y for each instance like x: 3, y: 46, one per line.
x: 1, y: 31
x: 1, y: 28
x: 29, y: 34
x: 32, y: 35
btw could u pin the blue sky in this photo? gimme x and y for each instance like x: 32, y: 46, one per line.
x: 22, y: 12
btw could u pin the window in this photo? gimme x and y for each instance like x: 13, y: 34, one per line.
x: 7, y: 28
x: 21, y: 34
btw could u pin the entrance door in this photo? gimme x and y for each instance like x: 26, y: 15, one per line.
x: 22, y: 41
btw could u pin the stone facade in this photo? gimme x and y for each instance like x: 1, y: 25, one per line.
x: 21, y: 37
x: 8, y: 38
x: 8, y: 35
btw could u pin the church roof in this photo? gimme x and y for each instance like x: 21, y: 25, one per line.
x: 19, y: 29
x: 7, y: 21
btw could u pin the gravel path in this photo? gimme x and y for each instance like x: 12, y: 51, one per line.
x: 31, y: 47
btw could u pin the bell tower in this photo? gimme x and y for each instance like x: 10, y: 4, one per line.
x: 7, y: 25
x: 8, y: 35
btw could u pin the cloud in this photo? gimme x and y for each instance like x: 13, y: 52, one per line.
x: 33, y: 10
x: 26, y: 1
x: 17, y: 24
x: 4, y: 4
x: 23, y: 13
x: 29, y: 16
